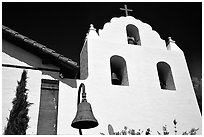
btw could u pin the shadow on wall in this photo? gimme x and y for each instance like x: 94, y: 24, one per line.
x: 71, y: 82
x: 23, y: 56
x: 33, y: 61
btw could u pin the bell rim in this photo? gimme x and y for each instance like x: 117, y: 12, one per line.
x: 93, y: 123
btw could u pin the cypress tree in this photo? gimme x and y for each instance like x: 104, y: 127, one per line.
x: 18, y: 118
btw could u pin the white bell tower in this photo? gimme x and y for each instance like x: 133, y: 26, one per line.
x: 134, y: 79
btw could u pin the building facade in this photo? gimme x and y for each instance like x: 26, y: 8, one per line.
x: 132, y: 78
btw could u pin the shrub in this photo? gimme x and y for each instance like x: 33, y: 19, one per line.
x: 18, y: 119
x: 148, y: 131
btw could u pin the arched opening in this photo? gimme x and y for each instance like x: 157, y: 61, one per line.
x: 119, y: 74
x: 133, y: 36
x: 165, y: 76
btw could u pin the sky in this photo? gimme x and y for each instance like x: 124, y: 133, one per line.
x: 63, y: 26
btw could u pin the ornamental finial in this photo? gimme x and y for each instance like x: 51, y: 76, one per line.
x: 170, y: 40
x: 92, y: 27
x: 92, y: 32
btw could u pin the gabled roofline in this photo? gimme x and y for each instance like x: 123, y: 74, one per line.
x: 66, y: 64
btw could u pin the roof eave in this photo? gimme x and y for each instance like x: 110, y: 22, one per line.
x: 42, y: 51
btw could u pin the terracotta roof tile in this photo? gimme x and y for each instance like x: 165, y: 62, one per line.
x: 12, y: 31
x: 56, y: 54
x: 47, y: 50
x: 39, y: 47
x: 30, y: 41
x: 20, y: 37
x: 4, y: 27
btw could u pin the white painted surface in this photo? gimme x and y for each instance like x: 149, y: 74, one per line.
x: 14, y: 55
x: 67, y: 108
x: 9, y: 83
x: 115, y: 31
x: 142, y: 104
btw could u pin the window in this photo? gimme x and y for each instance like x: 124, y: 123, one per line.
x: 119, y: 74
x: 165, y: 76
x: 133, y: 36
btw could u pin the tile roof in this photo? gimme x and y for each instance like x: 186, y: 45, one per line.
x: 38, y: 49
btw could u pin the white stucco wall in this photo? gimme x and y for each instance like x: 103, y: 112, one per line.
x: 115, y: 31
x: 67, y: 108
x: 14, y: 55
x: 9, y: 83
x: 67, y: 102
x: 142, y: 104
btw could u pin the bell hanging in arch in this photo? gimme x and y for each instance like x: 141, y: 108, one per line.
x: 115, y: 79
x: 84, y: 118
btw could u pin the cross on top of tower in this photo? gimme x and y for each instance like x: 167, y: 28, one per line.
x: 126, y: 9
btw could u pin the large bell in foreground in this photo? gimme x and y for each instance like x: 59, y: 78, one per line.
x: 84, y: 118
